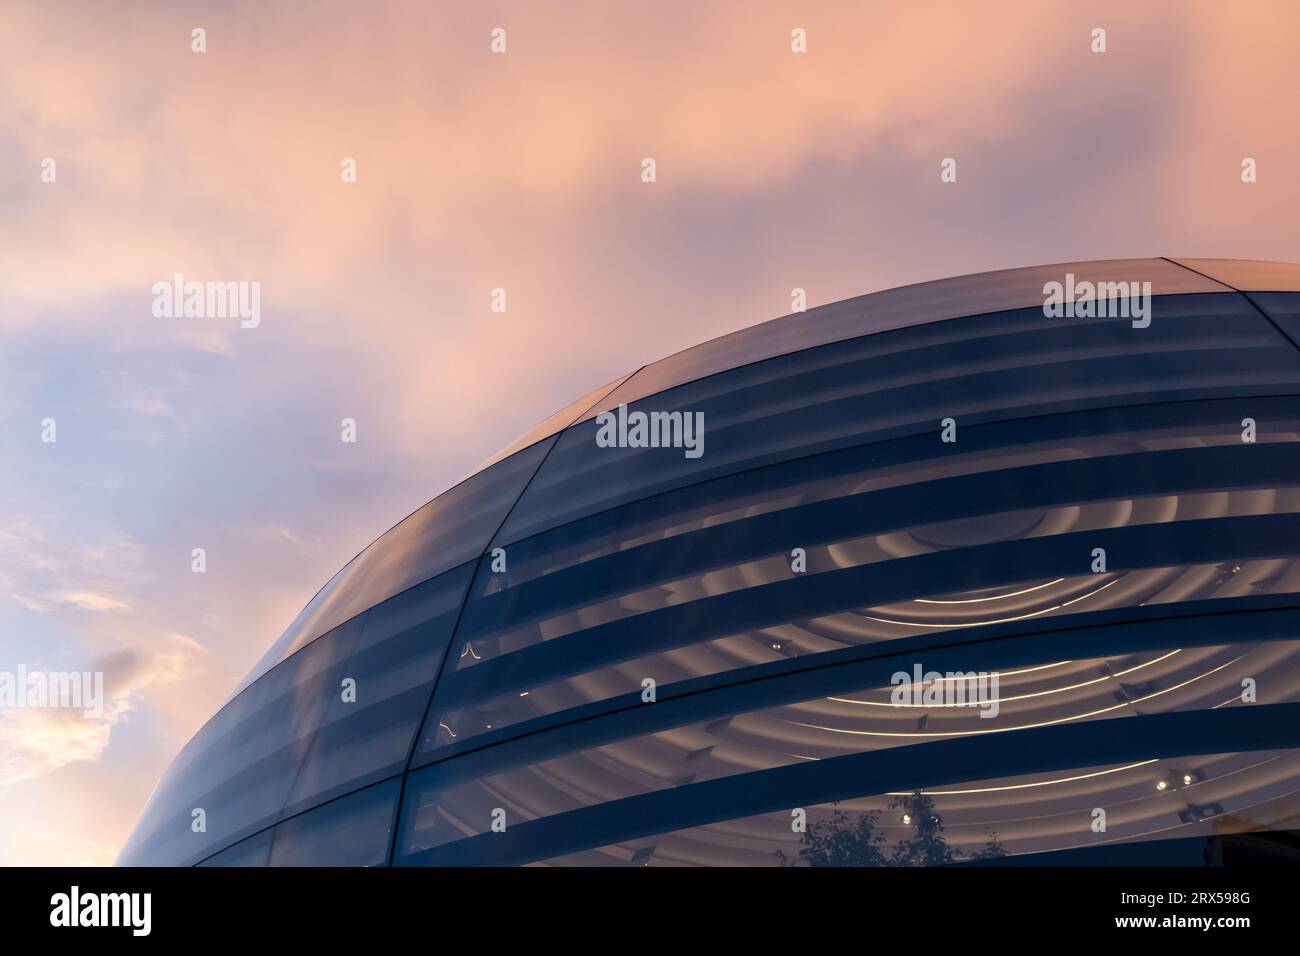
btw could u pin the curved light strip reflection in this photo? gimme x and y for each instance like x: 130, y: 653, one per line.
x: 1026, y: 786
x: 1040, y: 693
x: 997, y: 620
x: 996, y: 597
x: 1045, y: 723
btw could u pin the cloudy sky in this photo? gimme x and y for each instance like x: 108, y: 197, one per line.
x: 477, y: 171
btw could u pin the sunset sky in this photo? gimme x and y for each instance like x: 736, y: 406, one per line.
x: 477, y: 170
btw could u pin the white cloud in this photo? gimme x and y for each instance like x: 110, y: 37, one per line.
x: 34, y: 742
x: 89, y: 601
x: 38, y: 741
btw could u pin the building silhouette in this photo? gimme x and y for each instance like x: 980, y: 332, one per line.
x: 610, y: 653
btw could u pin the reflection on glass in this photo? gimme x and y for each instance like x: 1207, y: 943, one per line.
x: 290, y: 741
x: 451, y: 529
x: 1045, y: 694
x: 1210, y: 796
x: 352, y: 831
x: 983, y: 369
x: 907, y: 306
x: 702, y: 545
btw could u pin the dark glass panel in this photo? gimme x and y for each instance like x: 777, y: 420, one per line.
x: 561, y: 420
x: 709, y: 545
x: 352, y: 831
x: 904, y: 307
x: 1249, y: 275
x: 394, y: 666
x: 974, y: 700
x: 1283, y: 308
x: 451, y: 529
x: 253, y: 851
x: 238, y: 769
x: 897, y: 384
x: 1203, y: 798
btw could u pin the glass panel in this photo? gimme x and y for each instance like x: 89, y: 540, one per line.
x: 453, y: 528
x: 903, y: 307
x: 898, y: 384
x: 255, y: 851
x: 239, y: 767
x: 1021, y: 602
x: 1249, y: 275
x: 1284, y: 309
x: 368, y: 737
x: 561, y: 420
x: 290, y: 741
x: 934, y: 706
x: 352, y: 831
x: 690, y: 558
x: 1210, y: 797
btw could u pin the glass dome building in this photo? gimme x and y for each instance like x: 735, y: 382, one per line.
x: 595, y: 651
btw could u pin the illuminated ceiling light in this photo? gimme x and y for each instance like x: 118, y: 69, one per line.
x: 907, y: 818
x: 1161, y: 785
x: 1187, y: 778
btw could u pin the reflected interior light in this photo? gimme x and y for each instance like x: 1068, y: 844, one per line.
x: 995, y: 597
x: 1004, y: 674
x: 1026, y: 786
x: 997, y: 620
x: 1044, y: 723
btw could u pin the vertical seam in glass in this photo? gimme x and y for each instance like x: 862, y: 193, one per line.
x: 1245, y: 295
x: 451, y: 640
x: 293, y: 816
x: 437, y: 677
x: 1255, y: 305
x: 428, y: 704
x: 473, y: 564
x: 306, y: 754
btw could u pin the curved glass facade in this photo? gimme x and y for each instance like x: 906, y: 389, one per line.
x: 596, y: 655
